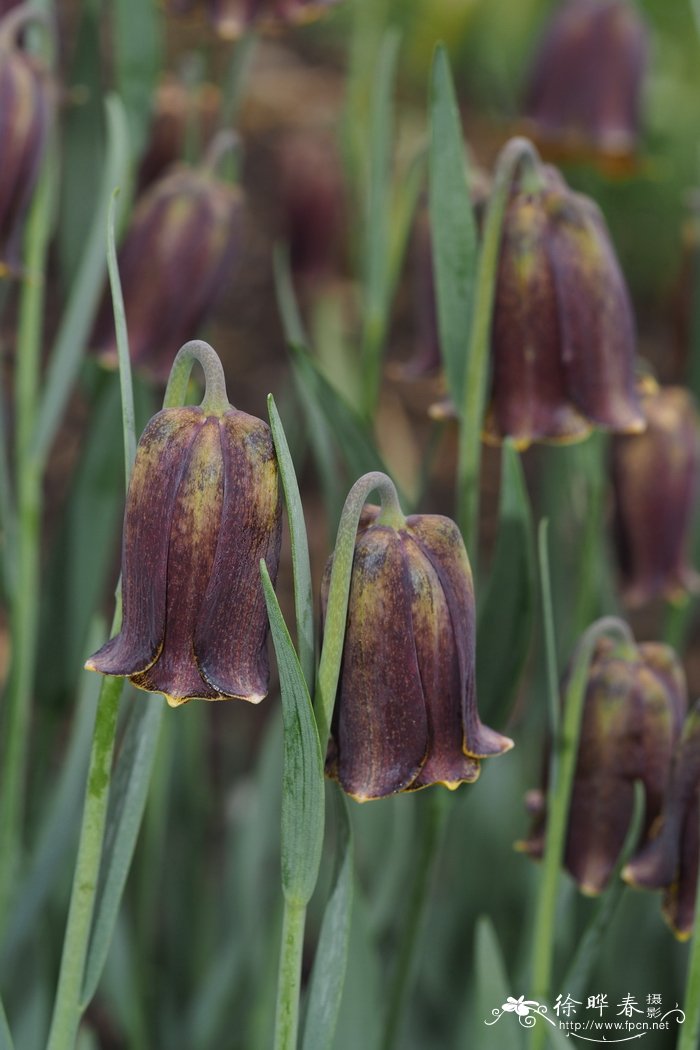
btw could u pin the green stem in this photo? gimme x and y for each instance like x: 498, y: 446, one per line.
x: 515, y: 153
x: 550, y: 642
x: 689, y: 1035
x: 126, y: 385
x: 67, y: 1009
x: 289, y: 982
x: 25, y: 595
x: 237, y: 78
x: 215, y: 400
x: 433, y: 822
x: 339, y: 589
x: 563, y: 764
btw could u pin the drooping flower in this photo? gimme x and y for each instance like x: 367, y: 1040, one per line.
x: 633, y: 711
x: 203, y: 508
x: 655, y: 482
x: 176, y: 256
x: 406, y: 714
x: 584, y: 95
x: 25, y: 114
x: 670, y: 860
x: 563, y: 330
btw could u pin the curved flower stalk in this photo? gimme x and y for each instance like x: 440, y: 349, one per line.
x: 176, y: 257
x: 406, y: 714
x: 584, y: 95
x: 26, y: 105
x: 203, y: 508
x: 634, y: 705
x: 655, y: 484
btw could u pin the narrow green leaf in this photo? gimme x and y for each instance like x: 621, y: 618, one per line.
x: 376, y: 250
x: 492, y: 986
x: 5, y: 1034
x: 138, y: 53
x: 328, y: 974
x: 125, y: 382
x: 77, y: 319
x: 303, y: 591
x: 302, y: 781
x: 453, y: 226
x: 507, y: 615
x: 127, y: 800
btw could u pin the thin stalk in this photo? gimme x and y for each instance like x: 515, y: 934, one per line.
x: 67, y: 1010
x: 215, y: 397
x: 689, y: 1035
x: 563, y: 764
x: 431, y: 836
x: 516, y: 153
x: 550, y: 641
x: 25, y: 595
x: 237, y: 78
x: 289, y: 982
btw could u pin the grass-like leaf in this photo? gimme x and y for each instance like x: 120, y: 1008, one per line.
x: 453, y: 227
x: 506, y: 617
x: 492, y: 986
x: 328, y: 974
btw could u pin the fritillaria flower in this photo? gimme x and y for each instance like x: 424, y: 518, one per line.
x: 25, y: 113
x: 203, y: 508
x: 633, y: 711
x: 406, y: 715
x: 655, y: 476
x: 670, y: 860
x: 176, y: 256
x: 585, y: 90
x: 563, y: 331
x: 230, y: 18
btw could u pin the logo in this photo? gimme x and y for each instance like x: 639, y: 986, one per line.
x: 598, y: 1021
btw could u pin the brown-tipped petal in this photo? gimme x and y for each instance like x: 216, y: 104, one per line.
x: 680, y: 900
x: 440, y: 675
x: 441, y: 542
x: 595, y: 315
x: 196, y: 519
x: 381, y: 727
x: 655, y: 481
x: 161, y: 461
x: 529, y: 400
x: 231, y: 632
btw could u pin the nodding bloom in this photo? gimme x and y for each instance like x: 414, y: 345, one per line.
x: 25, y: 113
x: 655, y: 482
x: 563, y: 337
x: 584, y: 95
x: 406, y: 714
x: 231, y: 18
x: 669, y: 861
x: 634, y: 706
x: 203, y: 508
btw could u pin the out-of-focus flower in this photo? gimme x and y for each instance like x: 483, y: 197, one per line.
x: 584, y: 94
x: 655, y: 480
x: 310, y: 197
x: 633, y: 711
x: 25, y: 113
x: 203, y: 508
x: 176, y: 106
x: 230, y: 18
x: 406, y: 714
x: 176, y: 256
x: 563, y: 329
x: 670, y: 860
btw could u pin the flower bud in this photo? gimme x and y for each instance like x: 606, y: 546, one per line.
x: 655, y: 476
x: 203, y: 508
x: 670, y: 860
x: 25, y: 112
x: 633, y: 710
x: 585, y: 90
x: 563, y: 330
x: 173, y: 263
x: 406, y: 714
